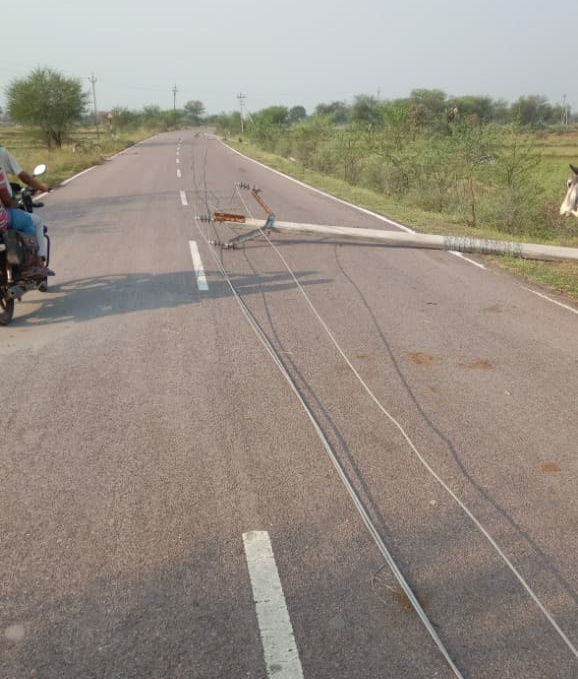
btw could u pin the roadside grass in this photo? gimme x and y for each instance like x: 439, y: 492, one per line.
x: 556, y: 152
x: 29, y: 149
x: 557, y: 276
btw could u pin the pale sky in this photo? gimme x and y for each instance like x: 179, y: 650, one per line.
x: 296, y: 52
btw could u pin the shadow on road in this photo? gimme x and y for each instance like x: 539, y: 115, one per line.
x: 89, y: 298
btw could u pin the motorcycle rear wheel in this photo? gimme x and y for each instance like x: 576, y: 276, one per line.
x: 6, y: 303
x: 6, y: 307
x: 6, y: 310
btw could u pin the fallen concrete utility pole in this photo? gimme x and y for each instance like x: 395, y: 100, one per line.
x: 412, y: 240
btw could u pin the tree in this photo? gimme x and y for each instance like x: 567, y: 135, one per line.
x: 337, y: 111
x: 470, y: 149
x: 396, y: 144
x: 308, y: 137
x: 517, y: 199
x: 124, y: 117
x: 532, y: 111
x: 365, y: 110
x: 502, y: 113
x: 49, y: 101
x: 472, y: 107
x: 296, y: 115
x: 228, y: 123
x: 195, y: 111
x: 429, y: 107
x: 268, y: 126
x: 350, y: 152
x: 152, y: 114
x: 274, y: 115
x: 398, y: 121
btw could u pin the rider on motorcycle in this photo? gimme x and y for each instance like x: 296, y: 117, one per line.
x: 11, y: 217
x: 10, y: 165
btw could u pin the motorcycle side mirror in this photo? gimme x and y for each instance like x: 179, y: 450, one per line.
x: 39, y: 169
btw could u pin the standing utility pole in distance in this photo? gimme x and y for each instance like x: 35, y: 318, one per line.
x: 92, y: 81
x: 241, y: 97
x: 175, y: 101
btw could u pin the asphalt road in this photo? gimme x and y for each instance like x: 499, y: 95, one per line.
x: 151, y: 441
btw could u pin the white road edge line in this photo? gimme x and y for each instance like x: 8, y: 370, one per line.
x: 467, y: 259
x: 183, y: 198
x: 279, y: 647
x: 549, y: 299
x: 198, y: 266
x: 79, y: 174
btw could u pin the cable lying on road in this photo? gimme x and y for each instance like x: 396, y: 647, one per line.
x: 338, y: 467
x: 426, y: 464
x: 341, y: 472
x: 342, y: 475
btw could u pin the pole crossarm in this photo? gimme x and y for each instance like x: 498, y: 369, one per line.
x: 258, y: 231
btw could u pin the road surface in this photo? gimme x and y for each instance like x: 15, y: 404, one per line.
x: 191, y: 437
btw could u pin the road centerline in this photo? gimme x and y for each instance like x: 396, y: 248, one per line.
x: 202, y: 283
x: 279, y: 647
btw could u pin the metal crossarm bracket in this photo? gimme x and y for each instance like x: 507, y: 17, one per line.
x: 234, y: 218
x: 267, y: 227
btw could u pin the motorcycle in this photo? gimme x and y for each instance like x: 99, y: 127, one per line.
x: 18, y: 254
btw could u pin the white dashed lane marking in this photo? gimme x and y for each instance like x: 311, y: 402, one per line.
x: 198, y: 266
x: 279, y: 647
